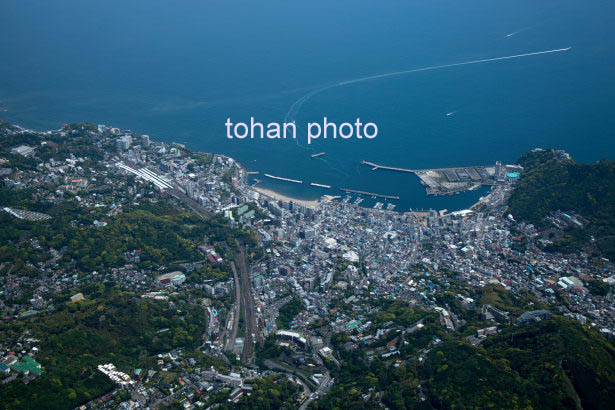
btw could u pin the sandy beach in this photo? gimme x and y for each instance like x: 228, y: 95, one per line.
x: 280, y: 197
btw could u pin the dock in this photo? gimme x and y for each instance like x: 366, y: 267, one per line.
x: 378, y: 166
x: 296, y: 181
x: 448, y: 181
x: 349, y: 191
x: 320, y: 185
x: 354, y: 191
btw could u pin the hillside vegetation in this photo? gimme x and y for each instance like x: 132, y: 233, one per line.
x: 553, y: 364
x: 556, y: 363
x: 551, y: 182
x: 110, y: 326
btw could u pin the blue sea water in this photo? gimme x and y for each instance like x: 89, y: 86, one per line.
x: 177, y: 69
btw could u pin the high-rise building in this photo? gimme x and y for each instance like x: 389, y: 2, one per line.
x: 123, y: 142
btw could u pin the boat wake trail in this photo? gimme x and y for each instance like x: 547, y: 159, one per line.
x: 514, y: 33
x: 295, y: 108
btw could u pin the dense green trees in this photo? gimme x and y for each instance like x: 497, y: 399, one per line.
x: 110, y: 326
x: 549, y: 184
x: 164, y: 234
x: 599, y: 288
x: 365, y: 379
x: 551, y: 364
x: 288, y: 312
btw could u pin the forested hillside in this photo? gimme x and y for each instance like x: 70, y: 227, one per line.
x: 554, y: 364
x: 109, y: 326
x: 551, y: 182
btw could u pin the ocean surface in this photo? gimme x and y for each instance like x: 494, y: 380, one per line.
x: 176, y: 70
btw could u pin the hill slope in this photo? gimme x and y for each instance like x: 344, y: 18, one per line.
x: 553, y: 364
x: 552, y: 181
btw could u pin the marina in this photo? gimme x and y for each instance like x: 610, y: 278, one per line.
x: 354, y: 191
x: 437, y: 181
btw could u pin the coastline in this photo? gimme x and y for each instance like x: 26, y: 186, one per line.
x: 313, y: 204
x: 271, y: 193
x: 280, y: 197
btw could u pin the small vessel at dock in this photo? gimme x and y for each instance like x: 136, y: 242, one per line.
x: 372, y: 194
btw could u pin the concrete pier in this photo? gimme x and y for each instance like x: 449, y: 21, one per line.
x: 354, y: 191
